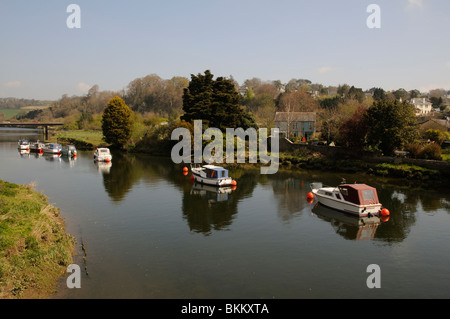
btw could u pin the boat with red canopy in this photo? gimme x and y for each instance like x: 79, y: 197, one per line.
x: 357, y: 199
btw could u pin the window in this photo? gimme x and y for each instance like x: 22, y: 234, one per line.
x: 368, y: 195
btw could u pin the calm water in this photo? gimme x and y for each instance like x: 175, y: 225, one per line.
x: 150, y: 233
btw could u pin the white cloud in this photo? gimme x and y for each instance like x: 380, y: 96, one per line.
x: 325, y: 69
x: 415, y: 3
x: 83, y: 87
x: 13, y: 84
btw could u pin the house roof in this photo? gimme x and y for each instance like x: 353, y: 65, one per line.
x: 295, y: 116
x: 442, y: 122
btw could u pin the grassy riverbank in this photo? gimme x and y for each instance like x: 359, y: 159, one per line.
x: 34, y: 247
x: 82, y: 139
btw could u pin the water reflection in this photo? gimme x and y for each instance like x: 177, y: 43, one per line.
x: 211, y: 193
x: 207, y: 210
x: 69, y: 160
x: 24, y: 153
x: 52, y: 157
x: 349, y: 227
x: 290, y: 193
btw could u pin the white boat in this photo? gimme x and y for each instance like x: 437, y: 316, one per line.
x: 102, y: 154
x: 212, y: 175
x: 53, y: 148
x: 37, y: 147
x: 24, y: 145
x: 69, y: 151
x: 356, y: 199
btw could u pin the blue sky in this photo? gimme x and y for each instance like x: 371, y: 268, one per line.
x: 325, y: 41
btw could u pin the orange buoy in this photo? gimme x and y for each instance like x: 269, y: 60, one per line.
x: 384, y: 219
x: 310, y: 196
x: 233, y: 183
x: 185, y: 173
x: 310, y: 200
x: 185, y: 169
x: 385, y: 212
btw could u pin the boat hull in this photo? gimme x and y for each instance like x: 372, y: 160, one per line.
x: 37, y: 150
x: 349, y: 208
x: 52, y: 152
x: 105, y: 159
x: 218, y: 182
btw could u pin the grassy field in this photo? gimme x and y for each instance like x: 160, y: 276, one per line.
x: 80, y: 138
x: 34, y: 247
x: 10, y: 113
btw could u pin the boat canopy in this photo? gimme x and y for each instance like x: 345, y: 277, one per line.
x: 360, y: 194
x: 215, y: 171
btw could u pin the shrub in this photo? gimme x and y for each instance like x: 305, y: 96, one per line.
x: 414, y: 149
x: 432, y: 152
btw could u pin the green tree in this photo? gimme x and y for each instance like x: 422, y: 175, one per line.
x: 391, y: 125
x: 378, y: 94
x: 117, y: 122
x: 215, y: 102
x: 352, y: 132
x: 437, y: 136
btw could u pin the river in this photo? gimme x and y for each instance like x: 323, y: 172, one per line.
x: 148, y: 232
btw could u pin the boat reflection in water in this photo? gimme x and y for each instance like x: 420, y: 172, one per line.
x: 213, y: 194
x: 52, y: 157
x: 103, y: 167
x: 348, y: 226
x: 24, y: 153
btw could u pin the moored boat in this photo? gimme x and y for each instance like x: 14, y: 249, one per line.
x: 37, y: 147
x: 53, y: 148
x: 23, y: 145
x: 212, y: 175
x: 356, y: 199
x: 69, y: 151
x: 102, y: 154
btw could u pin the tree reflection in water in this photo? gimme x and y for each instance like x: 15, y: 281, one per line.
x: 207, y: 209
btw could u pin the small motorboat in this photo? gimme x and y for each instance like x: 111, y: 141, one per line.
x: 356, y: 199
x: 69, y: 151
x: 53, y: 148
x: 212, y: 175
x: 37, y: 147
x: 23, y: 145
x: 102, y: 154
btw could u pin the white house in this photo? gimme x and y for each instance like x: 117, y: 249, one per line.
x: 422, y: 106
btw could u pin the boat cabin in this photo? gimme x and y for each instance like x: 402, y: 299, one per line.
x: 359, y: 194
x: 215, y: 171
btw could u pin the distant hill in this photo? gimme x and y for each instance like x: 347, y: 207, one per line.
x: 15, y: 103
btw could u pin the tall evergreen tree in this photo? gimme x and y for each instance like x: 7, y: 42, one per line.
x: 117, y: 122
x: 216, y: 102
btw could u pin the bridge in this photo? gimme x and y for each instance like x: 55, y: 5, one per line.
x: 36, y: 125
